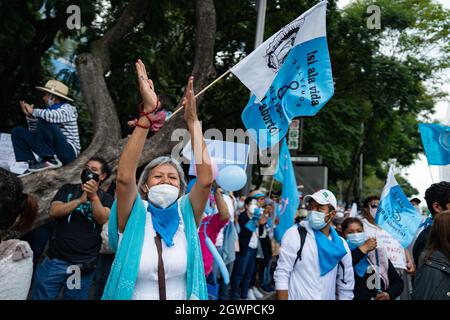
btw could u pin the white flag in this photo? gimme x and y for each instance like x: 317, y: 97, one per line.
x: 259, y: 69
x: 354, y: 210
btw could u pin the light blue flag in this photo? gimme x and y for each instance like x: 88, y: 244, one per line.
x: 436, y: 142
x: 289, y: 76
x: 289, y: 193
x: 395, y: 214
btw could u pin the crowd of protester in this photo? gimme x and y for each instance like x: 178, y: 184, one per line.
x: 162, y: 236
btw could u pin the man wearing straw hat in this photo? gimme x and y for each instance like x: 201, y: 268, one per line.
x: 52, y: 133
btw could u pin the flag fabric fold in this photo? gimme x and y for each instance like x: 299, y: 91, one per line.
x: 395, y: 214
x: 289, y: 75
x: 289, y: 193
x: 436, y: 143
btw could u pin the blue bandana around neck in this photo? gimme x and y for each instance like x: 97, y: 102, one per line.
x: 56, y: 106
x: 428, y: 222
x: 330, y: 251
x: 362, y: 265
x: 165, y: 221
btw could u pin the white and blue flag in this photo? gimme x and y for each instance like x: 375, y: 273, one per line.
x: 289, y: 192
x: 395, y: 214
x: 289, y: 75
x: 436, y: 143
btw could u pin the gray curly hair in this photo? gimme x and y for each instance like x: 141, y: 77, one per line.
x: 157, y: 162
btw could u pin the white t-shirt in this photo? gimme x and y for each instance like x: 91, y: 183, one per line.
x: 253, y: 244
x: 175, y: 264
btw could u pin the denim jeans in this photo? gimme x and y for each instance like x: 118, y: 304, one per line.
x: 47, y: 141
x: 223, y: 288
x: 52, y: 275
x: 38, y: 239
x: 267, y: 279
x: 244, y: 267
x: 101, y: 274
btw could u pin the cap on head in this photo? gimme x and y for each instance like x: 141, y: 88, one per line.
x: 57, y: 88
x: 256, y: 194
x: 323, y: 197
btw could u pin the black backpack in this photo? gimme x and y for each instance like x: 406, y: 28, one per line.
x: 302, y: 232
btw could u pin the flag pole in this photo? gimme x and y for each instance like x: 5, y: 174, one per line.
x: 271, y: 187
x: 201, y: 92
x: 429, y: 169
x: 377, y: 272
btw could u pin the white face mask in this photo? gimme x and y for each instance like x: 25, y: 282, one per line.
x: 50, y: 101
x: 162, y: 195
x: 252, y: 206
x: 373, y: 212
x: 316, y: 219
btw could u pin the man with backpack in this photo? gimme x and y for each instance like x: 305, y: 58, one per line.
x: 314, y: 262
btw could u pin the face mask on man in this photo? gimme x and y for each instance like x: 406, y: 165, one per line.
x: 356, y: 239
x: 87, y: 175
x: 252, y: 208
x: 316, y: 219
x: 162, y: 195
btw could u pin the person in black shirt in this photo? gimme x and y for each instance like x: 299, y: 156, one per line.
x: 365, y: 258
x: 438, y: 200
x: 79, y: 211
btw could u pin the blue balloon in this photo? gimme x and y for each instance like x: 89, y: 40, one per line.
x: 222, y: 267
x: 232, y: 178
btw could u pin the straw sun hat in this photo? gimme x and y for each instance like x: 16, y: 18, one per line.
x: 57, y: 88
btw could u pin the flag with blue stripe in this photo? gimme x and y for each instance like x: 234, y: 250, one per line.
x: 289, y: 75
x: 395, y: 214
x: 289, y: 193
x: 436, y: 143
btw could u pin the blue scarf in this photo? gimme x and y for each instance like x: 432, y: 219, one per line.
x: 165, y: 221
x: 362, y: 265
x: 330, y: 251
x: 125, y: 268
x: 428, y: 222
x: 56, y: 106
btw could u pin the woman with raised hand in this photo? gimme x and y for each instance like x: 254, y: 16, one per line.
x: 153, y: 227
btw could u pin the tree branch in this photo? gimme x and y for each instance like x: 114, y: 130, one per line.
x: 134, y: 11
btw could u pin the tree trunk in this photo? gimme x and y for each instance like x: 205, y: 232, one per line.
x: 91, y: 67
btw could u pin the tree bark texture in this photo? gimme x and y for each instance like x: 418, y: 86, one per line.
x: 107, y: 141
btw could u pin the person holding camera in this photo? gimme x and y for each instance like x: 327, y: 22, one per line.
x: 80, y: 210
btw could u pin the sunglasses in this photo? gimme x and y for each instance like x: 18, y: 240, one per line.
x: 373, y: 206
